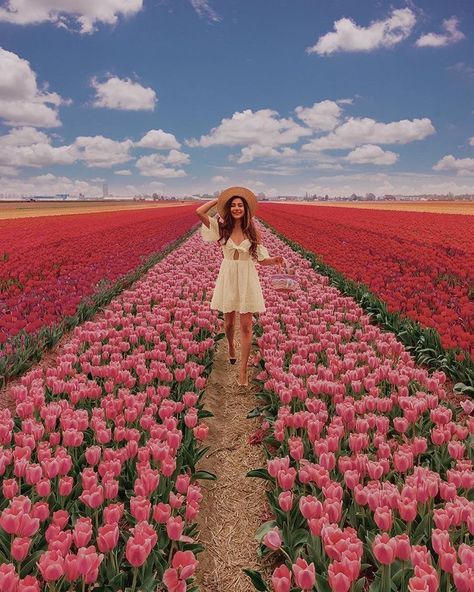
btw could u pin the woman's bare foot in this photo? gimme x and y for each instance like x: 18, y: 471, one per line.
x: 243, y: 378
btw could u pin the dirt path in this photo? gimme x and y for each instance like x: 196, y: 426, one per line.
x: 233, y: 506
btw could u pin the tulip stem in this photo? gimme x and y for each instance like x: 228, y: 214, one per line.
x: 386, y: 583
x: 135, y: 574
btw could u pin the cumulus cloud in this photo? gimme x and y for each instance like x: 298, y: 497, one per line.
x: 123, y: 94
x: 462, y: 166
x: 27, y: 147
x: 360, y: 131
x: 452, y: 35
x: 204, y: 10
x: 83, y: 15
x: 155, y: 166
x: 371, y: 154
x: 48, y: 184
x: 158, y: 140
x: 264, y: 128
x: 348, y: 36
x: 21, y: 101
x: 321, y: 117
x: 97, y: 151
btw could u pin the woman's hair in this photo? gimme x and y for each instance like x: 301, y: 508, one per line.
x: 248, y: 227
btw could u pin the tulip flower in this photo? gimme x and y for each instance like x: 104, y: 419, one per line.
x: 273, y: 539
x: 304, y: 574
x: 281, y: 579
x: 51, y: 566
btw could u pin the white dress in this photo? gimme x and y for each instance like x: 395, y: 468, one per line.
x: 237, y: 285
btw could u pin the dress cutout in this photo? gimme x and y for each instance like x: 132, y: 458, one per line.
x: 237, y: 284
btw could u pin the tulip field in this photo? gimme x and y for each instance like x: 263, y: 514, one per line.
x: 369, y: 458
x: 50, y: 265
x: 419, y: 264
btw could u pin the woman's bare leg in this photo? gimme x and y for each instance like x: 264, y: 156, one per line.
x: 245, y: 343
x: 229, y: 328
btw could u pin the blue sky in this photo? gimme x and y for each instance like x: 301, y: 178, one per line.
x: 190, y: 96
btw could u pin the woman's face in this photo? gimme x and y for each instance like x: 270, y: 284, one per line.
x: 237, y: 208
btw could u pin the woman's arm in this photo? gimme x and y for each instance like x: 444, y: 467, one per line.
x: 279, y: 260
x: 201, y: 211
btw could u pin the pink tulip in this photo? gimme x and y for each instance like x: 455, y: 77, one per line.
x: 40, y: 510
x: 417, y: 585
x: 304, y: 573
x: 65, y: 486
x: 113, y: 513
x: 88, y: 563
x: 82, y: 532
x: 107, y: 537
x: 338, y: 579
x: 140, y: 508
x: 285, y: 501
x: 71, y: 567
x: 174, y: 527
x: 272, y: 539
x: 10, y: 488
x: 29, y: 584
x: 161, y: 512
x: 8, y: 578
x: 384, y: 549
x: 51, y: 566
x: 186, y: 563
x: 281, y: 579
x: 383, y: 518
x: 19, y: 548
x: 136, y: 551
x: 173, y: 582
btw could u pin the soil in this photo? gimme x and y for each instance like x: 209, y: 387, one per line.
x: 234, y: 506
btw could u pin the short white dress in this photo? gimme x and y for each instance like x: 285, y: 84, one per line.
x: 237, y: 286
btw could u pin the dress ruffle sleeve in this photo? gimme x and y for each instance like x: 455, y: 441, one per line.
x: 212, y: 233
x: 262, y: 253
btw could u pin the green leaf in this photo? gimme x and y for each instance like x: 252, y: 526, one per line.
x: 257, y: 580
x: 359, y: 585
x: 205, y: 475
x: 322, y: 584
x: 260, y: 474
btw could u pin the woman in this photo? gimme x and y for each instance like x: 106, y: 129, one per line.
x: 237, y: 286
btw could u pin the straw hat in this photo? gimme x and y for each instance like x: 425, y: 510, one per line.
x: 242, y: 192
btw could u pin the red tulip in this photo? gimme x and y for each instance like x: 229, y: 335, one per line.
x: 281, y: 579
x: 304, y: 573
x: 51, y: 566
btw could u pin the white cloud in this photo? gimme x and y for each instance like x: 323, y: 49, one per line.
x: 123, y: 94
x: 48, y: 184
x: 98, y: 151
x: 452, y: 35
x: 220, y: 179
x: 348, y: 36
x: 27, y: 147
x: 321, y: 117
x: 203, y: 9
x: 176, y: 158
x: 21, y: 101
x: 249, y: 153
x: 85, y: 14
x: 155, y: 166
x: 158, y: 140
x: 360, y: 131
x: 123, y: 172
x: 463, y: 166
x: 371, y: 154
x: 263, y: 128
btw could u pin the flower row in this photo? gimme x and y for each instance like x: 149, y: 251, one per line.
x: 49, y: 264
x: 419, y: 264
x: 370, y: 466
x: 98, y: 460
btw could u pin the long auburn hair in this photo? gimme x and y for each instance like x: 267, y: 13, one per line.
x: 248, y: 227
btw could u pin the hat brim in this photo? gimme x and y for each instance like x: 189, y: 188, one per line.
x: 241, y: 192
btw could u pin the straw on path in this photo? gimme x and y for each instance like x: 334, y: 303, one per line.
x: 234, y: 504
